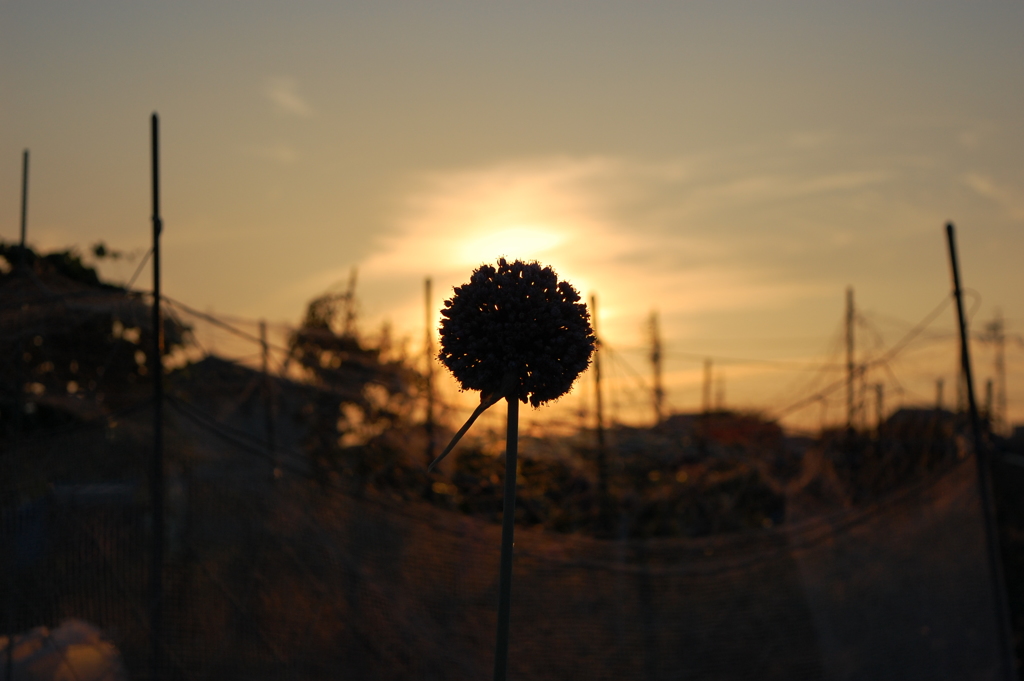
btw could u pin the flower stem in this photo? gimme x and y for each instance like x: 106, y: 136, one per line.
x: 508, y: 523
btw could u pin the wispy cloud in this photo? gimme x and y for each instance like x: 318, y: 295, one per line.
x: 1010, y: 201
x: 284, y: 94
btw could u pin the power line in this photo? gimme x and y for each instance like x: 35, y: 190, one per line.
x: 895, y: 350
x: 794, y: 365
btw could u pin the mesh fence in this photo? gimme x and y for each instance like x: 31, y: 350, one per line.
x: 271, y: 574
x: 271, y: 578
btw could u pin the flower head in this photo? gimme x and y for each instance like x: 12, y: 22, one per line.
x: 516, y: 325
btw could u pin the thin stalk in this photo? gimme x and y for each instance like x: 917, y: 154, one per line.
x: 508, y: 523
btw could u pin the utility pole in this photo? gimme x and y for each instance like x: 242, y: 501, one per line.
x: 706, y: 403
x: 995, y: 333
x: 938, y: 393
x: 429, y: 373
x: 1000, y: 370
x: 602, y: 452
x: 268, y: 396
x: 156, y: 594
x: 850, y: 369
x: 659, y: 392
x: 862, y: 398
x: 24, y: 196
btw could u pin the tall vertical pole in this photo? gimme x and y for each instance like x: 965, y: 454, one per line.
x: 12, y: 589
x: 508, y: 526
x: 706, y: 405
x: 268, y: 395
x: 429, y: 372
x: 996, y: 332
x: 861, y: 410
x: 19, y: 387
x: 156, y: 595
x: 602, y: 451
x: 938, y: 393
x: 850, y: 369
x: 659, y: 392
x: 1000, y: 374
x: 24, y: 196
x: 983, y: 462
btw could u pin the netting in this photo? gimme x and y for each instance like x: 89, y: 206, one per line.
x: 270, y: 578
x: 275, y: 570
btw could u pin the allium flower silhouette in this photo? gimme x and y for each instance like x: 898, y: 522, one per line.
x: 516, y: 319
x: 514, y: 331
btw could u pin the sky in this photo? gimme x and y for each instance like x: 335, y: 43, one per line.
x: 733, y: 166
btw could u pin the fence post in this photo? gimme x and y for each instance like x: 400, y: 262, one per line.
x: 984, y: 465
x: 156, y: 593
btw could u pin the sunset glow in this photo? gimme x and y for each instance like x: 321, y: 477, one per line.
x: 528, y: 243
x: 734, y: 168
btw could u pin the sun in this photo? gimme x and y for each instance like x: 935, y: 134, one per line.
x: 522, y: 242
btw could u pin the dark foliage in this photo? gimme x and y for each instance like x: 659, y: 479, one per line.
x: 552, y: 494
x: 71, y: 346
x: 361, y: 394
x: 911, y: 444
x: 65, y: 263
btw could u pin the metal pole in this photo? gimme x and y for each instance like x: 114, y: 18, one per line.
x: 508, y: 524
x: 156, y: 595
x: 429, y: 374
x: 602, y: 451
x: 659, y: 392
x: 1000, y: 367
x: 984, y: 467
x: 995, y: 333
x: 19, y: 388
x: 24, y: 196
x: 706, y: 398
x: 19, y: 410
x: 849, y: 359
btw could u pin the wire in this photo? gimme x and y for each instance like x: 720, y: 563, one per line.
x: 232, y: 435
x: 915, y: 331
x: 218, y: 322
x: 794, y: 365
x: 881, y: 361
x: 138, y: 270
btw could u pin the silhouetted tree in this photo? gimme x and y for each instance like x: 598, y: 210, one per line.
x: 70, y: 343
x: 362, y: 393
